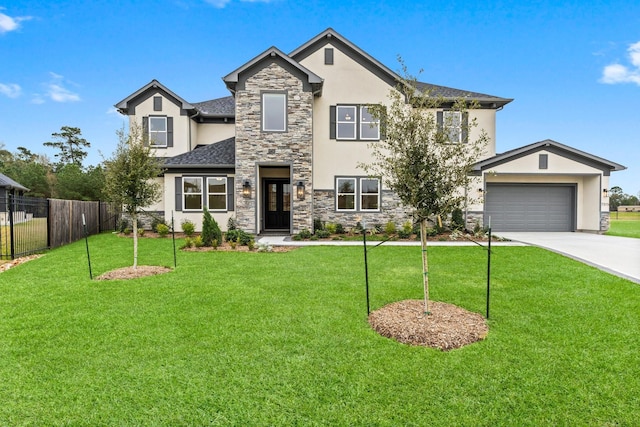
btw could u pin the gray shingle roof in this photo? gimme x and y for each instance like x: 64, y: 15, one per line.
x: 451, y: 93
x: 220, y: 107
x: 218, y: 154
x: 6, y: 182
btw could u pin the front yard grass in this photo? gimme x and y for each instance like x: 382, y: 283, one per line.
x: 282, y: 339
x: 625, y: 224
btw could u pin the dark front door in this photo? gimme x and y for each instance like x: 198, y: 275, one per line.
x: 277, y: 204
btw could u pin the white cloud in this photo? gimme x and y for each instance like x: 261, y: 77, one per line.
x: 11, y: 90
x: 57, y: 92
x: 8, y: 23
x: 618, y: 73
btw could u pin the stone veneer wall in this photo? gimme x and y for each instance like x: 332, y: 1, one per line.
x: 604, y: 221
x: 255, y: 147
x: 324, y: 208
x: 473, y: 218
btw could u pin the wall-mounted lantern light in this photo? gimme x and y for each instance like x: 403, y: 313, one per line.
x: 246, y: 188
x: 300, y: 190
x: 605, y: 192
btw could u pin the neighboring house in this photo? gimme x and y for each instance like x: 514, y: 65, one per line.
x: 284, y: 148
x: 9, y: 187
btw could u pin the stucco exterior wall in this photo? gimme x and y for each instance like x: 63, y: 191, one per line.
x: 180, y: 124
x: 208, y: 133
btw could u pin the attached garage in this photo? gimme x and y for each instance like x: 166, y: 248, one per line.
x: 530, y: 207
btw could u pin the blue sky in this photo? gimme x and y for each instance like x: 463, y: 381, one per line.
x: 573, y: 67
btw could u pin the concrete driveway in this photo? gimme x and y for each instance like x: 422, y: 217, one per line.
x: 616, y: 255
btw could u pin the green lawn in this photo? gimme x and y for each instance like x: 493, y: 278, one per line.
x: 30, y: 236
x: 282, y: 339
x: 625, y: 224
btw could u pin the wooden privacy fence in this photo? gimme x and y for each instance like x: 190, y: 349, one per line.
x: 29, y: 224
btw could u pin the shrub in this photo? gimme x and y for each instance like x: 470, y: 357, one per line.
x: 406, y: 230
x: 457, y: 220
x: 232, y: 224
x: 251, y: 244
x: 339, y: 228
x: 123, y: 224
x: 140, y: 232
x: 358, y: 228
x: 210, y: 229
x: 239, y: 237
x: 305, y: 234
x: 162, y: 229
x: 390, y: 228
x: 322, y: 234
x: 197, y: 242
x: 331, y: 227
x: 126, y: 231
x: 318, y: 224
x: 188, y: 227
x: 188, y: 243
x: 155, y: 222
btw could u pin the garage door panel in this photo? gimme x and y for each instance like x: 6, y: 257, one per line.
x: 530, y: 207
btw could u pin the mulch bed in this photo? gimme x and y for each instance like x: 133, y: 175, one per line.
x: 446, y: 328
x: 133, y: 273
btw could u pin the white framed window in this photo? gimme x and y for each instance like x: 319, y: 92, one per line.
x: 345, y: 194
x: 453, y: 125
x: 346, y: 121
x: 369, y: 126
x: 369, y: 194
x: 217, y: 193
x: 158, y: 131
x: 192, y: 193
x: 274, y: 112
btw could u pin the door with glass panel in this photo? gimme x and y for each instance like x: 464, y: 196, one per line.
x: 277, y: 204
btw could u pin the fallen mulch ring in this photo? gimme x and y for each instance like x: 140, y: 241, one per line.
x: 446, y: 328
x: 4, y: 266
x: 133, y: 273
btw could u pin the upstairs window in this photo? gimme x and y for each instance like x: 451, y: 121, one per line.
x: 353, y: 122
x: 369, y: 126
x: 274, y: 112
x: 158, y: 131
x: 454, y: 124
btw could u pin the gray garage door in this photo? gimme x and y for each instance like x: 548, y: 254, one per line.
x: 530, y: 207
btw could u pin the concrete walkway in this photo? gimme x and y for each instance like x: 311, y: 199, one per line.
x: 615, y: 255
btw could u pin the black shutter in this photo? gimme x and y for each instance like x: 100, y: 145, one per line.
x: 169, y: 131
x: 145, y: 130
x: 439, y: 119
x: 230, y: 193
x: 178, y: 193
x: 465, y: 127
x: 332, y: 122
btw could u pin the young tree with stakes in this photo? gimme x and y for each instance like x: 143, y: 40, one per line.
x: 425, y: 161
x: 130, y: 177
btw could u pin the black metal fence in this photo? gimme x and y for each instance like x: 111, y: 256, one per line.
x: 29, y: 225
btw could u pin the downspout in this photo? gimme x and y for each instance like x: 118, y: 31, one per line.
x: 190, y: 120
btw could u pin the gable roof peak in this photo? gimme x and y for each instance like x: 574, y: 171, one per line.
x: 231, y: 79
x: 154, y: 84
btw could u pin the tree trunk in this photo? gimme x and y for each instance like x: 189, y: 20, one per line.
x: 425, y: 264
x: 134, y: 220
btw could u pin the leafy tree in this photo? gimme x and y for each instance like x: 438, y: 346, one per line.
x: 30, y: 170
x: 130, y: 177
x: 71, y: 146
x: 417, y: 158
x: 617, y: 198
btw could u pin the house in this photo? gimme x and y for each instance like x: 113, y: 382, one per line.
x: 284, y: 147
x: 9, y: 187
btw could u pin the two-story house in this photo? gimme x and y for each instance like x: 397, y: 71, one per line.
x: 284, y: 149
